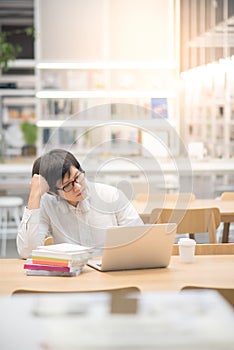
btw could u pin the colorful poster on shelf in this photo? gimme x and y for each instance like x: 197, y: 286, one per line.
x: 159, y: 108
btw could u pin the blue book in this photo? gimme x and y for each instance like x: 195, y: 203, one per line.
x: 159, y: 108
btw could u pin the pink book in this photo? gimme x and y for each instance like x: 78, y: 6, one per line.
x: 48, y: 267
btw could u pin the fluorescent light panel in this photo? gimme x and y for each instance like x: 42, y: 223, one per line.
x: 106, y: 65
x: 103, y: 94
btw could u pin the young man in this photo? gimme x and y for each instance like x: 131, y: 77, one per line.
x: 62, y: 203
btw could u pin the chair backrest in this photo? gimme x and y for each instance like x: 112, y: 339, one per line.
x: 209, y: 249
x: 49, y: 240
x: 168, y: 197
x: 145, y: 218
x: 226, y: 293
x: 190, y: 221
x: 227, y: 196
x: 123, y: 299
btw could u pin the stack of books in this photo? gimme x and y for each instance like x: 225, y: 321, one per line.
x: 63, y: 259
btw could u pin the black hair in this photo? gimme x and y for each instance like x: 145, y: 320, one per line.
x: 36, y: 166
x: 54, y: 165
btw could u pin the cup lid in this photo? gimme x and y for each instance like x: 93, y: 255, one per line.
x: 186, y: 241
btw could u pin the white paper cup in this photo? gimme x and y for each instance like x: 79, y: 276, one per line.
x: 187, y: 249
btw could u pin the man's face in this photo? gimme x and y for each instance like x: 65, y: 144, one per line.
x: 72, y: 187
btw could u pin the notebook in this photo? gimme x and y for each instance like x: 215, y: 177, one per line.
x: 136, y: 247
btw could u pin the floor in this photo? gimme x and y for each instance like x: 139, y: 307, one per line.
x: 11, y: 251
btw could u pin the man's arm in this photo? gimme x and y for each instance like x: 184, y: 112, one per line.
x: 39, y: 186
x: 34, y: 224
x: 126, y: 214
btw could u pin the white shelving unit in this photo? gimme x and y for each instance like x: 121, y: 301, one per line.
x: 16, y: 105
x: 87, y: 108
x: 108, y: 75
x: 208, y: 63
x: 208, y: 84
x: 209, y: 107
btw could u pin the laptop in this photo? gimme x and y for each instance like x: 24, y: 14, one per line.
x: 136, y: 247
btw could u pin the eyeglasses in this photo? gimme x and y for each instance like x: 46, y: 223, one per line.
x: 68, y: 187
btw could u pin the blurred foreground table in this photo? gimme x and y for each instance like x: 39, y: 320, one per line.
x: 169, y: 320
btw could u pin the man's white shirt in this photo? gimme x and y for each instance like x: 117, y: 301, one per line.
x: 85, y: 224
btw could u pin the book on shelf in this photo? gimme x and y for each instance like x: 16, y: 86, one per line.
x: 159, y: 108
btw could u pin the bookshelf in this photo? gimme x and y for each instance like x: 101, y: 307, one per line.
x: 207, y: 65
x: 17, y: 75
x: 109, y: 81
x: 209, y: 107
x: 17, y: 104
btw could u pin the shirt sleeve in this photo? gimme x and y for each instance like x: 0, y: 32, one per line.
x: 32, y: 231
x: 126, y: 214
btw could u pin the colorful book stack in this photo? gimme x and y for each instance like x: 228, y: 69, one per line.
x: 63, y: 259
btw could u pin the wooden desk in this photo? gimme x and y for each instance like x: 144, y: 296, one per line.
x: 207, y: 271
x: 226, y: 209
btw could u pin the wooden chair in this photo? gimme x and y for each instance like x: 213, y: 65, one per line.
x: 145, y: 218
x: 209, y: 249
x: 49, y: 240
x: 226, y: 293
x: 123, y: 300
x: 165, y: 197
x: 226, y: 196
x: 191, y: 221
